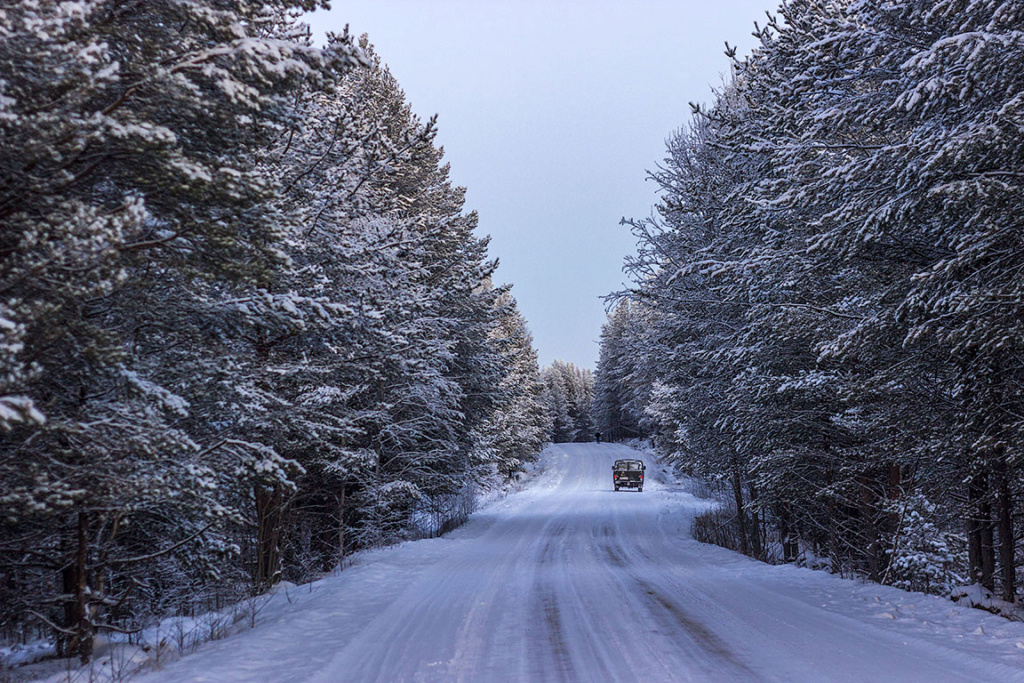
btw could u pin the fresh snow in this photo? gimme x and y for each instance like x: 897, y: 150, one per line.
x: 568, y: 580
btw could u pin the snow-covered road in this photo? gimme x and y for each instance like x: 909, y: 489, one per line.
x: 570, y: 581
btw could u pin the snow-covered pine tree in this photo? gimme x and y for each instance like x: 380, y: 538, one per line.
x: 954, y: 198
x: 557, y: 407
x: 448, y: 379
x: 896, y: 152
x: 518, y: 429
x: 690, y: 319
x: 313, y: 341
x: 128, y: 166
x: 613, y: 391
x: 865, y: 243
x: 788, y: 394
x: 568, y: 395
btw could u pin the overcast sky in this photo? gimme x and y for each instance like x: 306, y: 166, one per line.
x: 550, y: 113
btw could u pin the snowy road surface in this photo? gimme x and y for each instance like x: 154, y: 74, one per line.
x: 570, y: 581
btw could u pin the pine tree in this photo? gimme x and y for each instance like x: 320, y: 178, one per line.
x: 518, y: 429
x: 568, y: 394
x: 832, y: 281
x: 115, y: 194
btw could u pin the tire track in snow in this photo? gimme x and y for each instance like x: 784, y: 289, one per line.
x: 708, y: 641
x: 552, y: 652
x: 635, y: 561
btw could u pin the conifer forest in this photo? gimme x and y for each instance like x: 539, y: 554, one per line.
x: 246, y: 325
x: 825, y: 314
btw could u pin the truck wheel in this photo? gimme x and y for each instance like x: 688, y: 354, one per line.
x: 640, y: 490
x: 616, y: 488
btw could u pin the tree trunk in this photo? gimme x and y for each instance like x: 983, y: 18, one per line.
x: 988, y: 547
x: 77, y: 638
x: 1007, y: 544
x: 893, y: 493
x: 69, y: 582
x: 835, y: 541
x: 979, y: 532
x: 341, y: 523
x: 790, y: 544
x: 269, y: 508
x: 741, y: 515
x: 755, y: 522
x: 868, y: 508
x: 82, y: 592
x: 973, y: 533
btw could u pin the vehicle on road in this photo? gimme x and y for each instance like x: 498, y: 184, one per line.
x: 628, y: 474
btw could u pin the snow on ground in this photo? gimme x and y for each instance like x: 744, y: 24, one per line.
x: 568, y: 580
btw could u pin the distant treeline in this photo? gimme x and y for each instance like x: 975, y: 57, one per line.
x: 568, y: 395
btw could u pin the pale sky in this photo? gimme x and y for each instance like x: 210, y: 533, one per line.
x: 550, y: 113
